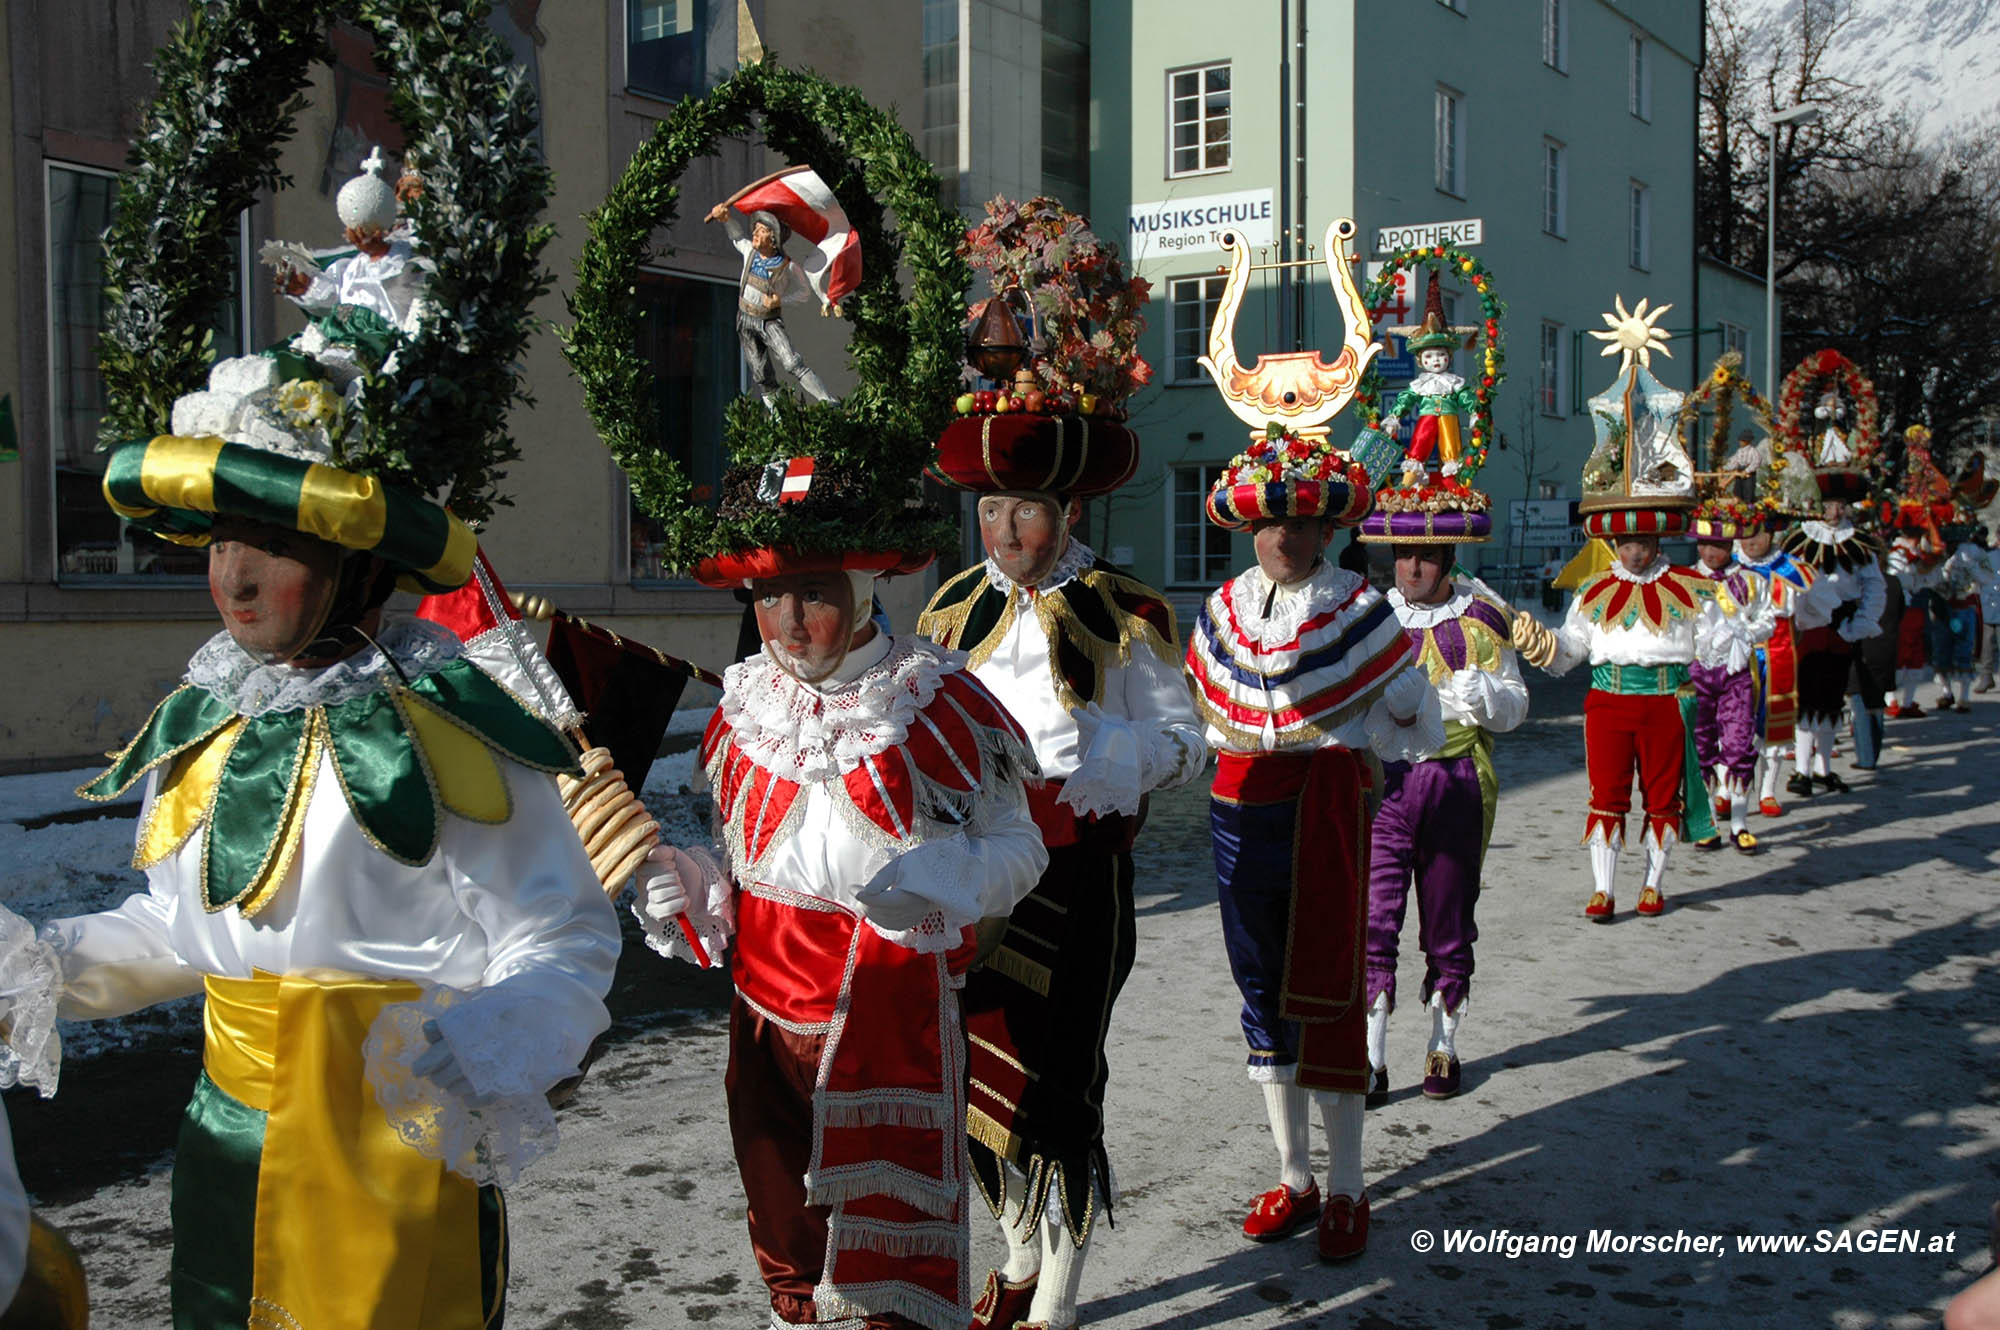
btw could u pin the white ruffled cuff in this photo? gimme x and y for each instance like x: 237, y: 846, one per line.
x: 30, y: 987
x: 512, y: 1050
x: 711, y: 910
x: 1174, y: 756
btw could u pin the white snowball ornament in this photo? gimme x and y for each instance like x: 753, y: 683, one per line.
x: 368, y: 202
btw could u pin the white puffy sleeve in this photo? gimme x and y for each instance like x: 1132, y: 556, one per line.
x: 1866, y: 621
x: 978, y: 872
x: 551, y: 945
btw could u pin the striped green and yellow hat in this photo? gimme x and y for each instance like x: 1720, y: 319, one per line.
x: 175, y: 487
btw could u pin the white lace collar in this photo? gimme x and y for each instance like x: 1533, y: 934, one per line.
x: 1430, y: 616
x: 1771, y: 556
x: 1075, y: 558
x: 253, y: 688
x: 1654, y: 570
x: 1829, y: 535
x: 1436, y: 383
x: 807, y: 733
x: 1327, y: 587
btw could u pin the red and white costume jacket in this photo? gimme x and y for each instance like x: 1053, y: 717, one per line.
x: 899, y: 769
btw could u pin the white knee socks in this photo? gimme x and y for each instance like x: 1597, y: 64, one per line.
x: 1290, y: 1112
x: 1062, y: 1271
x: 1604, y: 867
x: 1378, y: 1032
x: 1024, y: 1244
x: 1802, y: 749
x: 1656, y: 859
x: 1444, y: 1026
x: 1343, y: 1115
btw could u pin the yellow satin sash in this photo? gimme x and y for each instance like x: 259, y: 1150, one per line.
x: 355, y: 1230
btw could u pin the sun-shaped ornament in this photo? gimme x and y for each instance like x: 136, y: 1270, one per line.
x: 1633, y: 335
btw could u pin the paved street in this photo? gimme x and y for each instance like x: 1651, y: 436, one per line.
x: 1802, y: 1043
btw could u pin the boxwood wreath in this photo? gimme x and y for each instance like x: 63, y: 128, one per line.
x: 1493, y: 363
x: 230, y: 80
x: 907, y: 351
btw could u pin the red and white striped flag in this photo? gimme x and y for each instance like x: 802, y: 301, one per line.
x: 801, y: 200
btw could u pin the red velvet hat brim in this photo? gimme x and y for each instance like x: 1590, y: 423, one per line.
x: 741, y: 566
x: 1069, y: 455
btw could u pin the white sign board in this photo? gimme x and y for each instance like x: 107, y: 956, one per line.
x: 1184, y: 226
x: 1543, y: 522
x: 1470, y: 231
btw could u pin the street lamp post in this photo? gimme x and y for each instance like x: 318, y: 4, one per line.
x: 1802, y: 114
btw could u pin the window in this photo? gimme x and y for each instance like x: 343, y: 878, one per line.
x: 678, y: 48
x: 1555, y: 188
x: 1066, y: 101
x: 1201, y: 548
x: 1451, y: 141
x: 687, y: 333
x: 1198, y: 120
x: 91, y: 540
x: 940, y: 55
x: 1555, y: 35
x: 1735, y: 337
x: 1642, y: 227
x: 1549, y: 384
x: 1191, y: 303
x: 1457, y: 6
x: 1641, y: 94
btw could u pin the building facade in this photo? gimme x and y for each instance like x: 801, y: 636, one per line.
x: 1563, y: 130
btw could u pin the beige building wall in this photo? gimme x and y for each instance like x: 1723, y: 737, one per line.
x: 87, y: 660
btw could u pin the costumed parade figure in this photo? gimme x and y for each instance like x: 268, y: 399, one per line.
x: 1086, y: 658
x: 1738, y: 622
x: 869, y: 798
x: 354, y: 847
x: 756, y: 219
x: 1635, y: 623
x: 1916, y: 558
x: 1849, y: 608
x: 1871, y: 672
x: 1734, y: 624
x: 1436, y: 394
x: 1303, y: 676
x: 1785, y: 491
x: 1956, y: 630
x: 1436, y: 814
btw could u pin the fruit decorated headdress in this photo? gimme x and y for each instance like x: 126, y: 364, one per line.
x: 826, y: 485
x: 1638, y: 479
x: 370, y: 464
x: 1292, y: 469
x: 1055, y: 424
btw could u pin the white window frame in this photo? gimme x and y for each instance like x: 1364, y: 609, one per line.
x: 1555, y: 188
x: 1197, y: 376
x: 1640, y: 224
x: 1449, y: 147
x: 1206, y: 474
x: 1555, y: 35
x: 1735, y: 337
x: 245, y: 271
x: 1639, y: 75
x: 1202, y: 142
x: 1549, y: 384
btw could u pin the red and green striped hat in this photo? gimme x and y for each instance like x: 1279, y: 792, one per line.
x: 176, y: 487
x: 1611, y: 523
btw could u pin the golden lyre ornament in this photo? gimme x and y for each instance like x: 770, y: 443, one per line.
x: 1295, y: 389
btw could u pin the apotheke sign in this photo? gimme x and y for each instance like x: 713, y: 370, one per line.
x: 1182, y: 226
x: 1471, y: 231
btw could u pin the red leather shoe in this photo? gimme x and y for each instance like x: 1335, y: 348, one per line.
x: 1599, y: 908
x: 1003, y: 1304
x: 1343, y: 1228
x: 1281, y: 1212
x: 1770, y: 808
x: 1651, y: 903
x: 1722, y: 807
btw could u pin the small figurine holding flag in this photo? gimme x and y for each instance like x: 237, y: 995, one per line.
x: 760, y: 219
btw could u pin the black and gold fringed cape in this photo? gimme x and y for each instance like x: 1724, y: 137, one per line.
x: 404, y: 755
x: 1092, y: 622
x: 1857, y: 550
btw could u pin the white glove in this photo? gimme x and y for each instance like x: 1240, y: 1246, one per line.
x: 662, y: 896
x: 439, y: 1065
x: 889, y: 905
